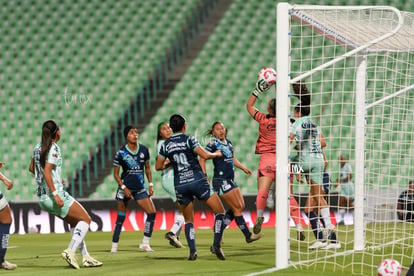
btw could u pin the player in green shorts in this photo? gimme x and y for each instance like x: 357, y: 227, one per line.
x: 306, y: 136
x: 46, y: 165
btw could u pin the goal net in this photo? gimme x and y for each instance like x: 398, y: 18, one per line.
x: 358, y: 65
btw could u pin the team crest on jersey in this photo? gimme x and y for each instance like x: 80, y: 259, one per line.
x: 141, y: 155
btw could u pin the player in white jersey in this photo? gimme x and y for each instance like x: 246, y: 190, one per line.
x: 307, y: 137
x: 346, y: 186
x: 5, y: 222
x: 46, y: 165
x: 167, y: 181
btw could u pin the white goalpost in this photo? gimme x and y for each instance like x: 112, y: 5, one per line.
x: 358, y: 65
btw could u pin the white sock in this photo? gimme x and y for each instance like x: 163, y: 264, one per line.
x: 342, y: 213
x: 115, y: 245
x: 145, y: 240
x: 79, y: 233
x: 82, y: 246
x: 326, y: 216
x: 299, y: 227
x: 178, y: 224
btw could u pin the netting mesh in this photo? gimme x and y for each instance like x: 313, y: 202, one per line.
x: 317, y: 37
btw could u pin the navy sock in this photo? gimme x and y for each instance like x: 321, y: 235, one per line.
x: 149, y: 225
x: 332, y: 237
x: 118, y: 226
x: 190, y: 236
x: 241, y: 223
x: 4, y: 235
x: 228, y: 217
x: 218, y: 229
x: 314, y: 221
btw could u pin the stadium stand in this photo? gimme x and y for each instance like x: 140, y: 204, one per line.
x: 79, y: 63
x: 83, y: 63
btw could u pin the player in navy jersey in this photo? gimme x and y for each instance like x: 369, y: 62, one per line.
x: 223, y: 179
x: 133, y: 158
x: 190, y: 182
x: 167, y: 182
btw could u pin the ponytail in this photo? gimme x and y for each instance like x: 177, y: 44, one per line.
x: 302, y: 93
x: 209, y: 132
x: 49, y: 130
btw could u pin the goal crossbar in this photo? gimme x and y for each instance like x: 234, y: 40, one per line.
x: 319, y: 22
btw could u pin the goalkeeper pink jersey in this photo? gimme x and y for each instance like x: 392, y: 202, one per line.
x: 266, y: 143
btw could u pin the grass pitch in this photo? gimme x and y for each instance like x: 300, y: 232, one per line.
x: 39, y: 254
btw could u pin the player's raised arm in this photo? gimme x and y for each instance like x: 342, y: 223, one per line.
x: 207, y: 155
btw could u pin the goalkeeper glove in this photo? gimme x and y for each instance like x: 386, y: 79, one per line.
x: 261, y: 86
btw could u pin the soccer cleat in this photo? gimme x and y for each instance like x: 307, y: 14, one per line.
x: 88, y: 261
x: 301, y: 236
x: 318, y: 244
x: 193, y: 256
x: 258, y: 225
x: 69, y: 256
x: 254, y: 237
x: 217, y: 250
x: 145, y: 247
x: 8, y: 266
x: 173, y: 240
x: 333, y: 245
x: 328, y: 231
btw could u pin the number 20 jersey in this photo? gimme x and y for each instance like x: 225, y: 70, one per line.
x: 179, y: 149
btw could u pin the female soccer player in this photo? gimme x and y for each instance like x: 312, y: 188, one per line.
x: 46, y: 165
x: 346, y: 186
x: 266, y: 148
x: 167, y: 181
x: 190, y: 182
x: 5, y: 222
x: 223, y: 179
x: 134, y: 160
x: 312, y: 162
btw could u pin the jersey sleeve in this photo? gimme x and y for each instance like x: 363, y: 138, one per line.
x: 211, y: 147
x: 147, y: 154
x: 53, y: 155
x: 193, y: 143
x: 259, y: 116
x: 118, y: 159
x: 161, y: 151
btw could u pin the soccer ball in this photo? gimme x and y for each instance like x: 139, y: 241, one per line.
x: 268, y: 74
x: 389, y: 267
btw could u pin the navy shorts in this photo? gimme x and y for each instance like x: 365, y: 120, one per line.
x: 136, y: 195
x: 222, y: 186
x: 187, y: 192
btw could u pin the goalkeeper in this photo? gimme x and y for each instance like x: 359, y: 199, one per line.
x: 265, y: 147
